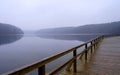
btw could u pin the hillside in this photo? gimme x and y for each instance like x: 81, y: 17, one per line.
x: 5, y: 34
x: 9, y: 29
x: 112, y: 28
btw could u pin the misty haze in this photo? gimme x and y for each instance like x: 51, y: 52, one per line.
x: 34, y: 30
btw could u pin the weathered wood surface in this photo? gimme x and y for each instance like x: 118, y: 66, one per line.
x: 105, y: 61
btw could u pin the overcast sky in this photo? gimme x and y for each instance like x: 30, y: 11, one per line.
x: 39, y: 14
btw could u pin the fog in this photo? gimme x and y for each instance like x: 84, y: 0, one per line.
x: 40, y: 14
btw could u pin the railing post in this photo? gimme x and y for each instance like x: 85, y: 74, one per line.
x: 94, y: 44
x: 85, y: 51
x: 75, y: 61
x: 41, y: 70
x: 91, y: 47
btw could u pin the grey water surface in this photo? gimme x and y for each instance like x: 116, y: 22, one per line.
x: 17, y: 51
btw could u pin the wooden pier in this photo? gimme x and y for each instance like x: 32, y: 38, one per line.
x: 105, y: 61
x: 99, y: 57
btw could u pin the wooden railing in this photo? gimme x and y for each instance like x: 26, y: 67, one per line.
x: 40, y: 65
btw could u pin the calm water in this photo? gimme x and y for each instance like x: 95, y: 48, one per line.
x: 17, y: 51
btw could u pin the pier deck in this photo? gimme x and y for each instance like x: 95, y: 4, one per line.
x: 105, y: 60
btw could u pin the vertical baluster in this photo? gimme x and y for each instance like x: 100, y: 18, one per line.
x: 85, y: 51
x: 94, y: 44
x: 91, y: 47
x: 41, y: 70
x: 75, y: 61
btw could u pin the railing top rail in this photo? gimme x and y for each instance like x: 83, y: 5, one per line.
x: 30, y: 67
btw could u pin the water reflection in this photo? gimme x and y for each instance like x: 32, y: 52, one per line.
x: 30, y: 49
x: 68, y: 37
x: 6, y: 39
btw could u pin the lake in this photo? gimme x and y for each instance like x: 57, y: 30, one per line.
x: 17, y: 51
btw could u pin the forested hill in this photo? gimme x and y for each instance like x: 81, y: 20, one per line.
x: 112, y: 28
x: 9, y: 29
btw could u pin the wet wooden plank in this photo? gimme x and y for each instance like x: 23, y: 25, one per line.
x: 105, y: 61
